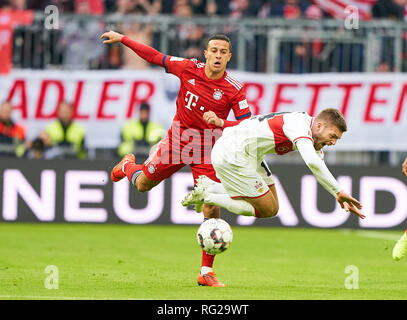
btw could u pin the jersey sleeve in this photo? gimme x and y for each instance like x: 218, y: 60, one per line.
x: 176, y: 65
x: 296, y: 127
x: 240, y: 106
x: 240, y: 109
x: 146, y: 52
x: 318, y: 167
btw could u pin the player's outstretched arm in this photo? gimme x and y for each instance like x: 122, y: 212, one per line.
x: 147, y: 53
x: 404, y: 167
x: 325, y: 178
x: 349, y: 204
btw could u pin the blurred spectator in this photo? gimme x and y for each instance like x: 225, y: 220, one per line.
x: 313, y: 12
x: 218, y: 7
x: 64, y: 6
x: 64, y: 137
x: 13, y: 4
x: 5, y: 4
x: 82, y: 50
x: 93, y: 7
x: 149, y: 7
x: 138, y: 136
x: 11, y: 15
x: 301, y: 57
x: 390, y: 9
x: 39, y: 5
x: 211, y: 7
x: 243, y: 8
x: 36, y: 149
x: 198, y: 6
x: 383, y: 67
x: 183, y: 9
x: 188, y: 34
x: 194, y: 52
x: 290, y: 9
x: 140, y: 32
x: 12, y: 135
x: 18, y: 4
x: 265, y: 9
x: 110, y: 6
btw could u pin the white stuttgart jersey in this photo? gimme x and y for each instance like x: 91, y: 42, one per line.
x: 274, y: 133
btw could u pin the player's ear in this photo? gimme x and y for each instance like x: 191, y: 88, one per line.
x: 230, y: 56
x: 205, y: 53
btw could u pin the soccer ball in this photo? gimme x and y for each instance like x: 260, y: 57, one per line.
x: 214, y: 235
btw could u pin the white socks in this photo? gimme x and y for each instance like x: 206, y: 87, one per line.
x: 240, y: 207
x: 205, y: 270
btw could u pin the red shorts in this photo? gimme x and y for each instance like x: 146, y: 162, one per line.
x: 166, y: 159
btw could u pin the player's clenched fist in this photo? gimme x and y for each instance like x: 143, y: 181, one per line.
x: 112, y: 37
x: 211, y: 118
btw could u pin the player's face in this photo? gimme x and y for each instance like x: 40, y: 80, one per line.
x: 65, y: 113
x: 217, y: 55
x: 325, y: 134
x: 5, y: 111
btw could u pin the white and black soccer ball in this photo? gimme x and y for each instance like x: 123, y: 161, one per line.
x: 214, y: 236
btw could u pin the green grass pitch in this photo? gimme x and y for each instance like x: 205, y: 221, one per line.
x: 162, y: 262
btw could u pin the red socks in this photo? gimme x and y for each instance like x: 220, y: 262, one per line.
x: 130, y: 168
x: 207, y: 259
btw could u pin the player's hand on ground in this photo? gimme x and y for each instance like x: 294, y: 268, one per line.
x: 211, y: 118
x: 112, y: 37
x: 349, y: 204
x: 404, y: 167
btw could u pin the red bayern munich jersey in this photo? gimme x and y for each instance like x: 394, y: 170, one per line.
x: 199, y: 94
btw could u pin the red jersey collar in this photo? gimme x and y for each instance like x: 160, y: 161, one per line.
x: 220, y: 79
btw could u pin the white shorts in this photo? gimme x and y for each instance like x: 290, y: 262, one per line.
x: 250, y: 181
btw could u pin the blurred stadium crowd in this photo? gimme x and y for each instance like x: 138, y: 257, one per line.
x: 289, y: 9
x: 74, y: 45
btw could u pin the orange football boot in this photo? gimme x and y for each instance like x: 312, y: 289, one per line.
x: 117, y: 172
x: 209, y: 280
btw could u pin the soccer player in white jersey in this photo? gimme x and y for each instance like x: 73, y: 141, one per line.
x: 247, y: 186
x: 400, y: 249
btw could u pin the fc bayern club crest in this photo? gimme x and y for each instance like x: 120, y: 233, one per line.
x: 217, y: 95
x: 151, y: 168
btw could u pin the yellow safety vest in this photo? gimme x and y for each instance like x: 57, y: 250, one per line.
x: 133, y: 130
x: 75, y: 135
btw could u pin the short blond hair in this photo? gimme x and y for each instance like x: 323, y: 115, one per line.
x: 335, y: 117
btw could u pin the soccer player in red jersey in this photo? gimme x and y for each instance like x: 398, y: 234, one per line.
x: 206, y: 96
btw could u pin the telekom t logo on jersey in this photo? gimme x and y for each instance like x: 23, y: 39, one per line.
x: 191, y: 100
